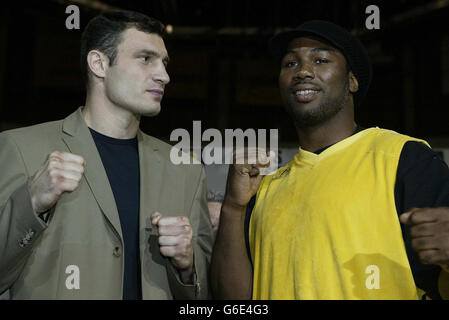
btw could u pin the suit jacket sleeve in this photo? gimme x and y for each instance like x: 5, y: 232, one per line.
x: 202, y: 246
x: 19, y: 225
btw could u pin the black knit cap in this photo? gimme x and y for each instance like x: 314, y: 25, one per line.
x: 353, y: 50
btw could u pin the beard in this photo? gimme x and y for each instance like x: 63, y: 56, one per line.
x: 326, y: 110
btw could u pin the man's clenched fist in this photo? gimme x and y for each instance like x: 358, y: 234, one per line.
x: 429, y: 231
x: 175, y: 241
x: 245, y: 175
x: 61, y: 172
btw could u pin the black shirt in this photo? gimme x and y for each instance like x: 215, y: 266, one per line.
x: 120, y: 159
x: 422, y: 180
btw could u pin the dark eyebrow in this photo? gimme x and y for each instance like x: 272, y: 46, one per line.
x: 323, y: 49
x: 165, y: 59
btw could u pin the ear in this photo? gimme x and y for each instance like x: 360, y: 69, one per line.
x: 98, y: 63
x: 353, y: 83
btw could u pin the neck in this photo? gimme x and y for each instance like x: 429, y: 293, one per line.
x: 109, y: 119
x: 313, y: 138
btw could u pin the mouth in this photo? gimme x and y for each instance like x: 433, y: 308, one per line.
x: 156, y: 93
x: 305, y: 95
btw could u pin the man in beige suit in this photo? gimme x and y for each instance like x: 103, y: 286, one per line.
x: 90, y: 206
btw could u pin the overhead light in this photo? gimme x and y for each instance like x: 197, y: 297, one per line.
x: 169, y: 28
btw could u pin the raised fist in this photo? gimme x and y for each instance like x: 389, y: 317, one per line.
x: 61, y: 172
x: 245, y: 175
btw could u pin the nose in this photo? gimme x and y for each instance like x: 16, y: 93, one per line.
x: 161, y: 76
x: 304, y: 71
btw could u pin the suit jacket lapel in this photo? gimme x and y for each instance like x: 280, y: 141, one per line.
x: 79, y: 141
x: 151, y: 172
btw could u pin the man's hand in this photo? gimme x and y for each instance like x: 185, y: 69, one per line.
x: 175, y: 240
x: 429, y: 231
x: 244, y: 175
x: 61, y: 172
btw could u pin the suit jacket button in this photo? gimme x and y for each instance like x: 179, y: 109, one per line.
x: 117, y: 251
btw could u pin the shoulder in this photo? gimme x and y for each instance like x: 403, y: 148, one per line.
x: 418, y: 149
x: 38, y: 133
x: 411, y: 147
x: 30, y: 145
x: 415, y: 155
x: 385, y: 135
x: 389, y: 141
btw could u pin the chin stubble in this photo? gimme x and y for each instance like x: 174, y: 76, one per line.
x: 325, y: 111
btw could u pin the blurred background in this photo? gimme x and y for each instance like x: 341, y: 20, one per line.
x: 221, y: 71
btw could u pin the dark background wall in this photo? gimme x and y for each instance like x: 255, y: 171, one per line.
x: 221, y: 71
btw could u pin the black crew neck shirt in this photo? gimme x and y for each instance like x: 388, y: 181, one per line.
x: 120, y: 159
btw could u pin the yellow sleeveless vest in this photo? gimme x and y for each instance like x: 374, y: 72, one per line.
x: 325, y: 226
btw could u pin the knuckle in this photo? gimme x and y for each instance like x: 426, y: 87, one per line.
x: 55, y: 153
x: 414, y: 231
x: 179, y: 251
x: 58, y: 192
x: 422, y: 228
x: 416, y: 244
x: 54, y: 163
x: 161, y: 230
x: 51, y: 164
x: 164, y: 251
x: 424, y: 257
x: 75, y: 185
x: 54, y: 180
x: 70, y: 185
x: 186, y: 251
x: 183, y: 219
x: 185, y: 241
x: 415, y: 217
x: 67, y: 186
x: 439, y: 214
x: 53, y: 172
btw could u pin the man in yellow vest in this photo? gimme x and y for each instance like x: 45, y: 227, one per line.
x: 359, y: 213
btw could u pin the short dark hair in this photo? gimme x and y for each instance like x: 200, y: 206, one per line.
x: 104, y: 33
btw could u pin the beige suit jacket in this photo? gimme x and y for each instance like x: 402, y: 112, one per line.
x: 83, y: 230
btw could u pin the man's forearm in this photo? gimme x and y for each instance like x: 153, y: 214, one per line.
x: 231, y: 270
